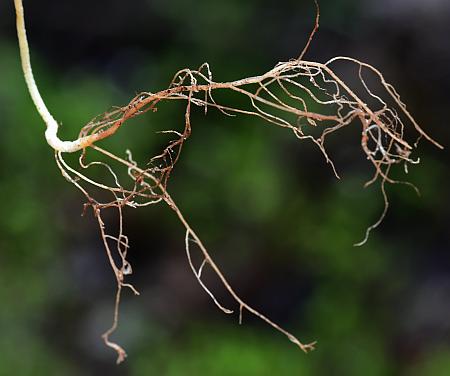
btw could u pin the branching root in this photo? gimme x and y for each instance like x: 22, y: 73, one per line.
x: 304, y: 97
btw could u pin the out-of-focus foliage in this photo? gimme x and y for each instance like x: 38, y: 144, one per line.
x: 267, y: 205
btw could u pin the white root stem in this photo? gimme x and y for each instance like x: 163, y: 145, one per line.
x: 51, y: 133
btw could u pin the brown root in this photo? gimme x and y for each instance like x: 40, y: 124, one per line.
x: 307, y: 98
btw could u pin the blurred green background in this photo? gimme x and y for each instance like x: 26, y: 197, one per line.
x: 267, y: 205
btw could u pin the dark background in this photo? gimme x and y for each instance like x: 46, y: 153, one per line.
x: 267, y: 205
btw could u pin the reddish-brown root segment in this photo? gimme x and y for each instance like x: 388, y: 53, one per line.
x: 305, y: 97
